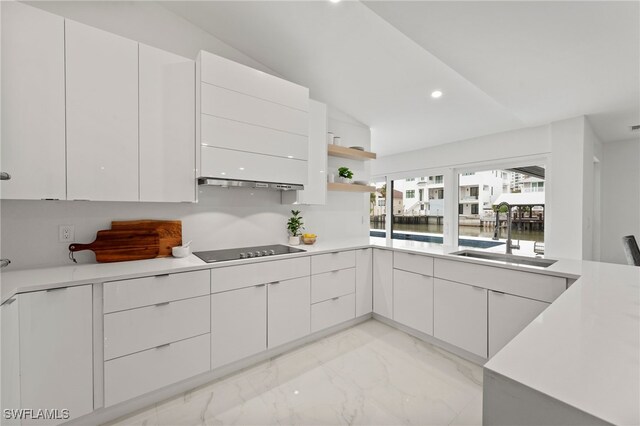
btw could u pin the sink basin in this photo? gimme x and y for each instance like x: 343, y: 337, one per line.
x: 510, y: 258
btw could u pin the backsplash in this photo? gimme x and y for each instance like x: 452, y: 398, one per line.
x: 222, y: 218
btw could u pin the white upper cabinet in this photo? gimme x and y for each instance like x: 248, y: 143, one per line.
x: 102, y: 115
x: 315, y: 192
x: 250, y: 125
x: 33, y: 129
x: 167, y: 126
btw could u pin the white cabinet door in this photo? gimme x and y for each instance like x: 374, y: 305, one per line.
x: 508, y: 316
x: 167, y: 126
x: 364, y: 281
x: 383, y: 282
x: 238, y: 324
x: 56, y: 350
x: 33, y: 133
x: 289, y: 311
x: 413, y: 300
x: 102, y: 115
x: 315, y: 192
x: 10, y: 358
x: 460, y: 316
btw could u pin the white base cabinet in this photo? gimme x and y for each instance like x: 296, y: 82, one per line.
x: 383, y: 283
x: 508, y: 316
x: 413, y: 300
x: 288, y: 310
x: 460, y: 316
x: 56, y: 350
x: 364, y: 281
x: 238, y: 324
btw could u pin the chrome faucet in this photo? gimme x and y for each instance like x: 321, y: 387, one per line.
x: 510, y: 245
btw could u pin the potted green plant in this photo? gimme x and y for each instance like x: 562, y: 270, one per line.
x: 294, y: 226
x: 346, y: 175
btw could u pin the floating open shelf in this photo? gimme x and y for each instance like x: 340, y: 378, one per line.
x: 353, y: 154
x: 349, y: 187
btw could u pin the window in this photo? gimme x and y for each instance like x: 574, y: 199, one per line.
x: 438, y: 179
x: 382, y: 202
x: 418, y: 210
x: 479, y: 195
x: 378, y: 210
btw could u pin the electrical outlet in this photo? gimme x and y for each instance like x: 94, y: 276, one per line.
x: 66, y: 233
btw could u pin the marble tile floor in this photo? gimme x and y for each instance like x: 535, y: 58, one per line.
x: 370, y: 374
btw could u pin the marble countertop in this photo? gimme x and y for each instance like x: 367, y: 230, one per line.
x: 583, y: 350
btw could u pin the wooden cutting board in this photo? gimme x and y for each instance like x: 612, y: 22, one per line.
x: 169, y: 231
x: 120, y: 246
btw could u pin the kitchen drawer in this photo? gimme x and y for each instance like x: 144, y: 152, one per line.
x: 411, y: 262
x: 223, y: 72
x: 333, y: 311
x: 137, y: 374
x: 535, y: 286
x: 234, y: 277
x: 332, y: 284
x: 231, y: 164
x: 225, y: 103
x: 129, y: 294
x: 222, y: 133
x: 333, y: 261
x: 126, y: 332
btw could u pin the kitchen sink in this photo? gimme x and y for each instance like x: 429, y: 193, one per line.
x: 510, y: 258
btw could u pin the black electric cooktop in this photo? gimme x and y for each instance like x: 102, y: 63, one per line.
x: 245, y: 253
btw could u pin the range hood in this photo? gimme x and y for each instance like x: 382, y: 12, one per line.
x: 233, y: 183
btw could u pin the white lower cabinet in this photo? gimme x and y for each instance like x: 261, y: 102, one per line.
x: 10, y: 358
x: 238, y: 324
x: 508, y: 316
x: 289, y: 311
x: 129, y: 376
x: 332, y: 284
x: 56, y: 351
x: 383, y: 282
x: 332, y: 312
x: 460, y: 315
x: 364, y: 281
x: 413, y: 300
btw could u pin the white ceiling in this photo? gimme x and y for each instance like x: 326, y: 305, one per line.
x: 501, y: 65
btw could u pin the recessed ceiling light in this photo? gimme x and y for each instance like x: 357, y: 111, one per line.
x: 289, y: 156
x: 436, y: 94
x: 223, y: 173
x: 240, y: 168
x: 335, y: 1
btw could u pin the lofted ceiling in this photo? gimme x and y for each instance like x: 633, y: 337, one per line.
x: 501, y: 65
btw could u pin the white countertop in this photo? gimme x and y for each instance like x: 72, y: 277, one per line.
x: 583, y: 350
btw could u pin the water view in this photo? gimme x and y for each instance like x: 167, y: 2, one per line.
x: 464, y: 231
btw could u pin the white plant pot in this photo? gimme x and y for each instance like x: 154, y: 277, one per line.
x: 345, y: 180
x: 294, y: 241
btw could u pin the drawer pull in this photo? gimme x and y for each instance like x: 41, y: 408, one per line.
x: 275, y: 282
x: 477, y: 288
x: 259, y: 285
x: 335, y: 298
x: 335, y: 271
x: 498, y: 292
x: 166, y: 345
x: 10, y: 301
x: 335, y: 252
x: 162, y: 304
x: 161, y: 275
x: 56, y: 289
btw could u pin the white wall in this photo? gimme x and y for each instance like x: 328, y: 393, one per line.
x: 620, y: 194
x: 224, y: 217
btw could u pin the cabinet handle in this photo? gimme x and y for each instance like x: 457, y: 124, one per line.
x: 259, y: 285
x: 477, y: 288
x: 5, y: 176
x: 274, y: 282
x: 161, y: 275
x: 335, y: 298
x: 10, y: 301
x: 335, y: 252
x: 56, y: 289
x: 162, y: 304
x: 335, y: 271
x: 166, y: 345
x: 497, y: 292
